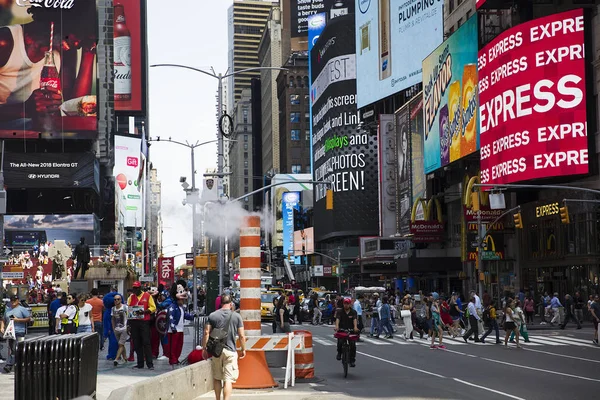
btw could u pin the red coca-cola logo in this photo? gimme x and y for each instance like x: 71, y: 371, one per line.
x: 132, y: 161
x: 53, y: 83
x: 64, y: 4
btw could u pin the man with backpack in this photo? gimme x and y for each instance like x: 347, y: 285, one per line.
x: 489, y: 320
x: 220, y: 333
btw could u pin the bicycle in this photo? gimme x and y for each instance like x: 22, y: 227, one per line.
x: 346, y: 336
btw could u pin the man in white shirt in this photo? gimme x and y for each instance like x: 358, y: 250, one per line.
x: 358, y: 308
x: 474, y: 321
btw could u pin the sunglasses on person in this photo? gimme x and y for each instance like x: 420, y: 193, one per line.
x: 69, y: 298
x: 117, y: 299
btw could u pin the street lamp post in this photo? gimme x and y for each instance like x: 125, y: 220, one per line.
x: 220, y: 78
x: 195, y: 200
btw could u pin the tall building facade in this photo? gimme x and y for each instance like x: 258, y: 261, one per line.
x: 270, y: 55
x: 246, y: 20
x: 240, y: 150
x: 154, y: 224
x: 294, y: 115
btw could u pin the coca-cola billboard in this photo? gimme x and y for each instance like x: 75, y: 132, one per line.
x: 48, y: 81
x: 127, y: 55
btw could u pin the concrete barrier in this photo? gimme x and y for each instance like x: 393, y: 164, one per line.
x: 181, y: 384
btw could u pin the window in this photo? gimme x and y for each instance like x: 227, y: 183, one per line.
x: 295, y: 117
x: 245, y: 155
x: 299, y: 82
x: 468, y: 14
x: 450, y: 6
x: 306, y: 100
x: 307, y: 118
x: 245, y: 129
x: 308, y: 171
x: 245, y: 181
x: 291, y: 81
x: 245, y: 146
x: 295, y: 134
x: 245, y: 172
x: 307, y: 135
x: 294, y: 99
x: 305, y: 78
x: 245, y: 113
x: 246, y: 138
x: 246, y: 189
x: 296, y: 169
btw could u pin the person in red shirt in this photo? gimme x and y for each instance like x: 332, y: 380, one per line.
x: 141, y: 307
x: 97, y: 312
x: 446, y: 317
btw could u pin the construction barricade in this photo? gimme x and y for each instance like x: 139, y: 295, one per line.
x: 260, y: 376
x: 57, y: 367
x: 304, y: 358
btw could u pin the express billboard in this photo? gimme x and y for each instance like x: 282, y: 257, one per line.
x: 533, y: 101
x: 343, y: 154
x: 127, y: 172
x: 128, y: 58
x: 450, y: 99
x: 48, y: 79
x: 301, y: 10
x: 51, y: 170
x: 392, y: 38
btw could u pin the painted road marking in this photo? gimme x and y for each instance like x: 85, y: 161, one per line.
x: 322, y: 341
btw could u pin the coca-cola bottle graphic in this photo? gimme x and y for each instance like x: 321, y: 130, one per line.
x: 122, y: 55
x: 49, y: 77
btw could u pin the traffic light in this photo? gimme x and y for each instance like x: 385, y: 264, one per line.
x: 564, y: 214
x: 518, y: 220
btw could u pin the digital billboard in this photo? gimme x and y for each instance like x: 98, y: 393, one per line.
x: 533, y: 101
x: 392, y: 38
x: 30, y: 231
x: 450, y: 99
x: 415, y: 106
x: 295, y: 185
x: 291, y: 201
x: 301, y: 10
x: 342, y: 154
x: 48, y: 67
x: 304, y: 242
x: 128, y: 161
x: 388, y: 169
x: 403, y: 195
x: 128, y: 61
x: 51, y: 170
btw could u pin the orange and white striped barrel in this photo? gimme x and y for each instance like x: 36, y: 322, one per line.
x: 250, y: 275
x: 304, y: 364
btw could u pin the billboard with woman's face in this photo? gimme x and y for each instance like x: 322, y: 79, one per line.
x: 47, y: 67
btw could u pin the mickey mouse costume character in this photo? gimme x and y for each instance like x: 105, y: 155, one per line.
x: 177, y: 314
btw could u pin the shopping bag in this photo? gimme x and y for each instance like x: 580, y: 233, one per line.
x: 9, y: 333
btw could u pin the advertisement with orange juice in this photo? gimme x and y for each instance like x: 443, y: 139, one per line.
x: 450, y: 99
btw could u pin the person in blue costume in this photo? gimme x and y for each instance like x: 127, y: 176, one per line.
x: 109, y: 302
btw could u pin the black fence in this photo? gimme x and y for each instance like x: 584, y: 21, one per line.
x: 57, y: 367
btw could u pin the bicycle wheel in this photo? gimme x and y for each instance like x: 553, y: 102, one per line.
x: 345, y: 356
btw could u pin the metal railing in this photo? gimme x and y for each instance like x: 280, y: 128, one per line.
x: 57, y: 367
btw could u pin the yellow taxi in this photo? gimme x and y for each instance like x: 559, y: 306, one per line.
x: 266, y: 304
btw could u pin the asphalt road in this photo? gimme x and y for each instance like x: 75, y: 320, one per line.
x: 555, y: 365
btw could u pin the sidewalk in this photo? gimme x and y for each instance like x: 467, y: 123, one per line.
x: 109, y: 376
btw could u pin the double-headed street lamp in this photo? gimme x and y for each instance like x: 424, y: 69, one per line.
x: 219, y: 173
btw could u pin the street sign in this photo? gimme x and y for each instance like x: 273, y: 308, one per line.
x: 474, y: 244
x: 12, y: 275
x: 189, y: 256
x: 147, y: 278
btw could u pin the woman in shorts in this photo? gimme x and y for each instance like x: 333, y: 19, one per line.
x: 509, y: 325
x: 119, y: 324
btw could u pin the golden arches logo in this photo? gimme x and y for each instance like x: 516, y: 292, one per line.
x: 486, y: 244
x: 427, y: 209
x: 468, y: 185
x: 551, y: 242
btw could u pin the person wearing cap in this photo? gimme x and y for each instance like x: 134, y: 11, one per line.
x: 142, y: 306
x: 20, y: 316
x: 347, y: 319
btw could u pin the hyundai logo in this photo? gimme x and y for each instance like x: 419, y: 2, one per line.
x: 31, y: 176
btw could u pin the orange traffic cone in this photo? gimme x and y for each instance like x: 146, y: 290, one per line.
x: 254, y: 372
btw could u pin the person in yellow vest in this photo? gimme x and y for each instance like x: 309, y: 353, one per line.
x: 141, y: 306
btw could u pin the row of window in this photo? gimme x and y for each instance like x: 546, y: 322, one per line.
x: 298, y: 81
x: 295, y: 99
x: 295, y: 117
x: 295, y: 135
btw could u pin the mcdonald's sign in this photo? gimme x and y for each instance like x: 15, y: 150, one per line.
x: 487, y: 214
x: 493, y: 246
x: 429, y: 229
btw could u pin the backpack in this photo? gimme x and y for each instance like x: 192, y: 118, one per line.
x: 217, y: 339
x: 487, y: 318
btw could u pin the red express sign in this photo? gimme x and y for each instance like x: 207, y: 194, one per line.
x: 532, y: 101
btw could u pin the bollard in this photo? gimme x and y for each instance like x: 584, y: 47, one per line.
x: 305, y: 362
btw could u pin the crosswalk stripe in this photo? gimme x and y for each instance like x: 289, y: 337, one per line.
x: 398, y: 341
x: 537, y: 340
x: 588, y: 341
x: 568, y: 342
x: 379, y: 343
x: 323, y: 342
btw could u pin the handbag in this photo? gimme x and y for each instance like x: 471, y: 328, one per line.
x: 9, y: 333
x: 217, y: 338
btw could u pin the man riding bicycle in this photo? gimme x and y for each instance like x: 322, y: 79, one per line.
x: 347, y: 319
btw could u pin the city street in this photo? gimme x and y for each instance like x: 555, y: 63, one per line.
x: 556, y: 364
